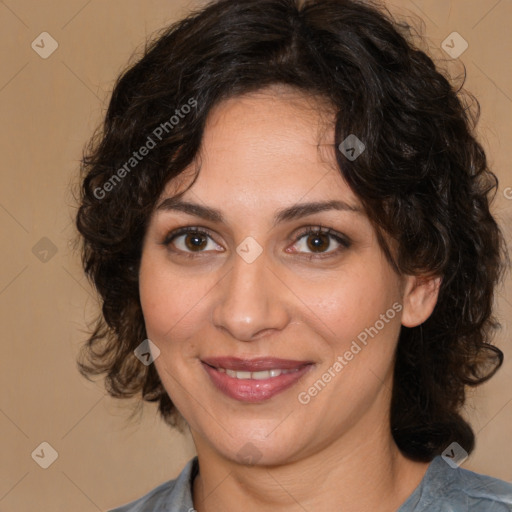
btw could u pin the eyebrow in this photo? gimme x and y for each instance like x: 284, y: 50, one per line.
x: 287, y: 214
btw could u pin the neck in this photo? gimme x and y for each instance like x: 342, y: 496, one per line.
x: 372, y: 475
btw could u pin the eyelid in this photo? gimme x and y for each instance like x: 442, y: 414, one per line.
x: 340, y: 238
x: 184, y: 230
x: 169, y: 237
x: 324, y: 230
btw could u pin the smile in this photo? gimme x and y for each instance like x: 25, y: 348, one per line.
x: 254, y: 380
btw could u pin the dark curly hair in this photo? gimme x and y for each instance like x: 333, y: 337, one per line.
x: 423, y: 181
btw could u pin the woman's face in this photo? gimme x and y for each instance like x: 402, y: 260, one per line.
x: 248, y: 284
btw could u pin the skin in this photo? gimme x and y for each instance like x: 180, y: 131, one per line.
x: 261, y: 153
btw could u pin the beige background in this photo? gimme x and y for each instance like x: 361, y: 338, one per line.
x: 49, y: 109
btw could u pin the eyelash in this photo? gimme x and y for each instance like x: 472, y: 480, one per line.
x: 322, y: 230
x: 310, y: 230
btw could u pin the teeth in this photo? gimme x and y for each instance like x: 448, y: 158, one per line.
x: 266, y: 374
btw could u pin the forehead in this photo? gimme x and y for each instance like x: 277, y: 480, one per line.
x: 275, y: 121
x: 273, y: 145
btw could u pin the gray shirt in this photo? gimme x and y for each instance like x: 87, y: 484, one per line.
x: 442, y: 489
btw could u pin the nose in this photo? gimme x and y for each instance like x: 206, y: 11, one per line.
x: 251, y: 300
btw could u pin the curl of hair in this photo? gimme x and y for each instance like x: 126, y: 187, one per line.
x: 423, y: 180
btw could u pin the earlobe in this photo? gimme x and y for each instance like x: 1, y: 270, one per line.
x: 419, y: 299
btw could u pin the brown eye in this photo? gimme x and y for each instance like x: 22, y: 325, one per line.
x: 318, y: 242
x: 191, y: 240
x: 195, y: 241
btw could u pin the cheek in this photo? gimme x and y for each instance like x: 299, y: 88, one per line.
x: 357, y: 327
x: 171, y: 303
x: 351, y: 301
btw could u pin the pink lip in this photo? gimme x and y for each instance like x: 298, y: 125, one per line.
x: 252, y: 390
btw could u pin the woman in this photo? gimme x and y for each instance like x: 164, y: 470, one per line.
x: 286, y: 214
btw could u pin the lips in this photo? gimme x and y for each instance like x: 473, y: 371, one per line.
x: 254, y: 380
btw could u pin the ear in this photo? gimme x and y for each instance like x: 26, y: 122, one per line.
x: 420, y: 295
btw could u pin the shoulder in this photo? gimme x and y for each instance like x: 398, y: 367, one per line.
x: 453, y: 489
x: 485, y: 492
x: 158, y: 497
x: 170, y: 496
